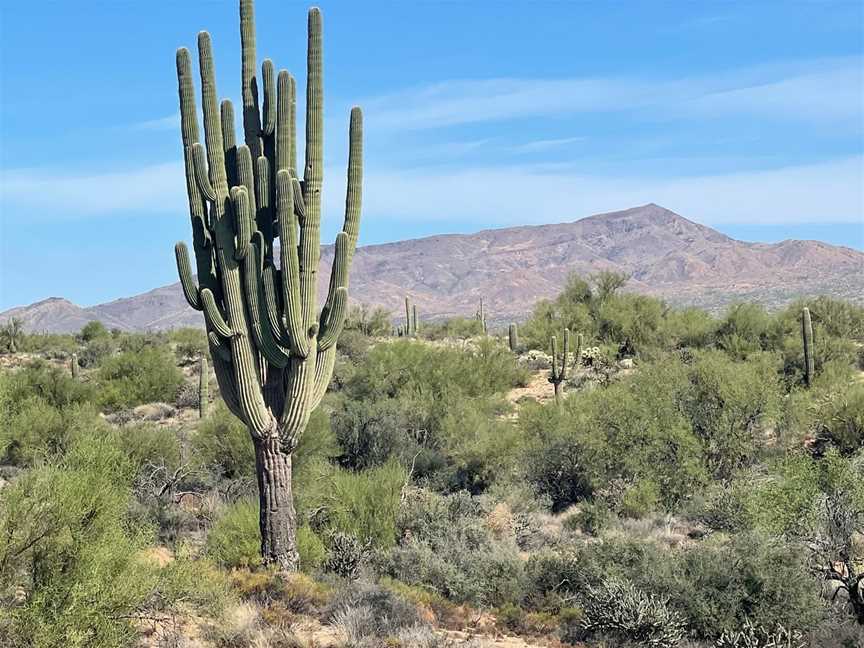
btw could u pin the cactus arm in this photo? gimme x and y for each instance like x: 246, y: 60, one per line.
x: 211, y: 313
x: 200, y: 163
x: 291, y: 282
x: 553, y: 376
x: 261, y: 331
x: 218, y: 346
x: 299, y: 205
x: 264, y: 217
x: 251, y: 116
x: 333, y: 321
x: 323, y: 373
x: 272, y: 303
x: 414, y: 322
x: 292, y: 118
x: 229, y: 140
x: 190, y: 288
x: 283, y: 116
x: 564, y: 356
x: 269, y: 125
x: 407, y: 317
x: 333, y: 312
x: 354, y: 193
x: 310, y: 243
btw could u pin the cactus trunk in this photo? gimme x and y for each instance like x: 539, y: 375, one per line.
x: 277, y: 520
x: 73, y: 364
x: 273, y: 352
x: 558, y: 372
x: 807, y: 335
x: 203, y: 384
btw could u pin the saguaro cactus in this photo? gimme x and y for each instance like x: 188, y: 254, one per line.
x: 513, y: 337
x: 415, y: 323
x: 273, y: 353
x: 73, y: 365
x: 481, y: 317
x: 203, y: 384
x: 807, y: 335
x: 577, y: 357
x: 558, y: 374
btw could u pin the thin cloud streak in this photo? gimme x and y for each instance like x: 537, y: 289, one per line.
x: 823, y: 90
x: 832, y: 191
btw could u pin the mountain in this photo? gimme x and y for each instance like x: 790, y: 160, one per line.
x: 511, y: 268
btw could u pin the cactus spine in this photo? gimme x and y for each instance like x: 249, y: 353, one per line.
x: 273, y: 353
x: 558, y: 373
x: 73, y: 365
x: 807, y: 335
x: 203, y: 384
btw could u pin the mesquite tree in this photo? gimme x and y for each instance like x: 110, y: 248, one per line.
x: 272, y: 351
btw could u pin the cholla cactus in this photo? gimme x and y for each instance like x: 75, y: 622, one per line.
x: 807, y: 336
x: 618, y: 607
x: 591, y: 356
x: 751, y: 636
x: 558, y: 372
x: 273, y: 352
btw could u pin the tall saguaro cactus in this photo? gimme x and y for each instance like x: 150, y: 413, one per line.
x: 807, y: 335
x: 273, y: 352
x: 558, y: 374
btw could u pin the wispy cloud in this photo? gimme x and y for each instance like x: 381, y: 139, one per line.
x: 832, y: 191
x: 171, y: 122
x: 823, y: 90
x: 538, y: 146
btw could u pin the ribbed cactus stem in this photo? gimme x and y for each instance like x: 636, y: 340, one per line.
x: 807, y: 335
x: 73, y: 364
x: 558, y: 372
x: 415, y: 323
x: 513, y: 337
x: 409, y: 323
x: 203, y: 383
x: 273, y: 352
x: 577, y: 356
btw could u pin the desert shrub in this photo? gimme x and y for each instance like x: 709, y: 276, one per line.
x: 129, y: 379
x: 366, y: 611
x: 354, y: 345
x: 618, y: 608
x: 633, y: 430
x: 312, y: 550
x: 37, y: 431
x: 459, y: 328
x: 371, y: 322
x: 95, y: 351
x: 92, y: 330
x: 51, y: 384
x: 590, y: 518
x: 189, y: 343
x: 769, y: 584
x: 371, y: 432
x: 345, y: 555
x: 690, y: 328
x: 53, y: 345
x: 746, y: 328
x: 222, y: 445
x: 838, y: 414
x: 446, y: 545
x: 68, y: 545
x: 187, y: 396
x: 361, y: 504
x: 234, y: 539
x: 728, y: 404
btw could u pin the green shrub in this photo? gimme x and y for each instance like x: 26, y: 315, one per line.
x: 222, y: 445
x: 69, y: 545
x: 234, y: 539
x: 93, y: 330
x: 362, y: 504
x: 446, y: 545
x: 189, y: 343
x: 130, y: 379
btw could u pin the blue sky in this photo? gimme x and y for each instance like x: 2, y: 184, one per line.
x: 746, y: 116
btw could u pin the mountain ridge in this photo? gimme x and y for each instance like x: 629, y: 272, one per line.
x: 665, y: 254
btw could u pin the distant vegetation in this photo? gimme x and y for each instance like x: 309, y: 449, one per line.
x: 689, y: 472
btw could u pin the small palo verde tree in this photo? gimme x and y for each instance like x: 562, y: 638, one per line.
x: 273, y: 352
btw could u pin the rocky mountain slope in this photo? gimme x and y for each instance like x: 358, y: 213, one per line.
x: 511, y: 268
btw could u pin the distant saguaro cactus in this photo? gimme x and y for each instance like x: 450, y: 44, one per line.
x: 410, y: 318
x: 73, y: 365
x: 415, y: 323
x: 513, y: 337
x: 481, y: 317
x: 203, y: 385
x: 807, y: 336
x: 273, y: 353
x: 558, y: 374
x: 578, y: 355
